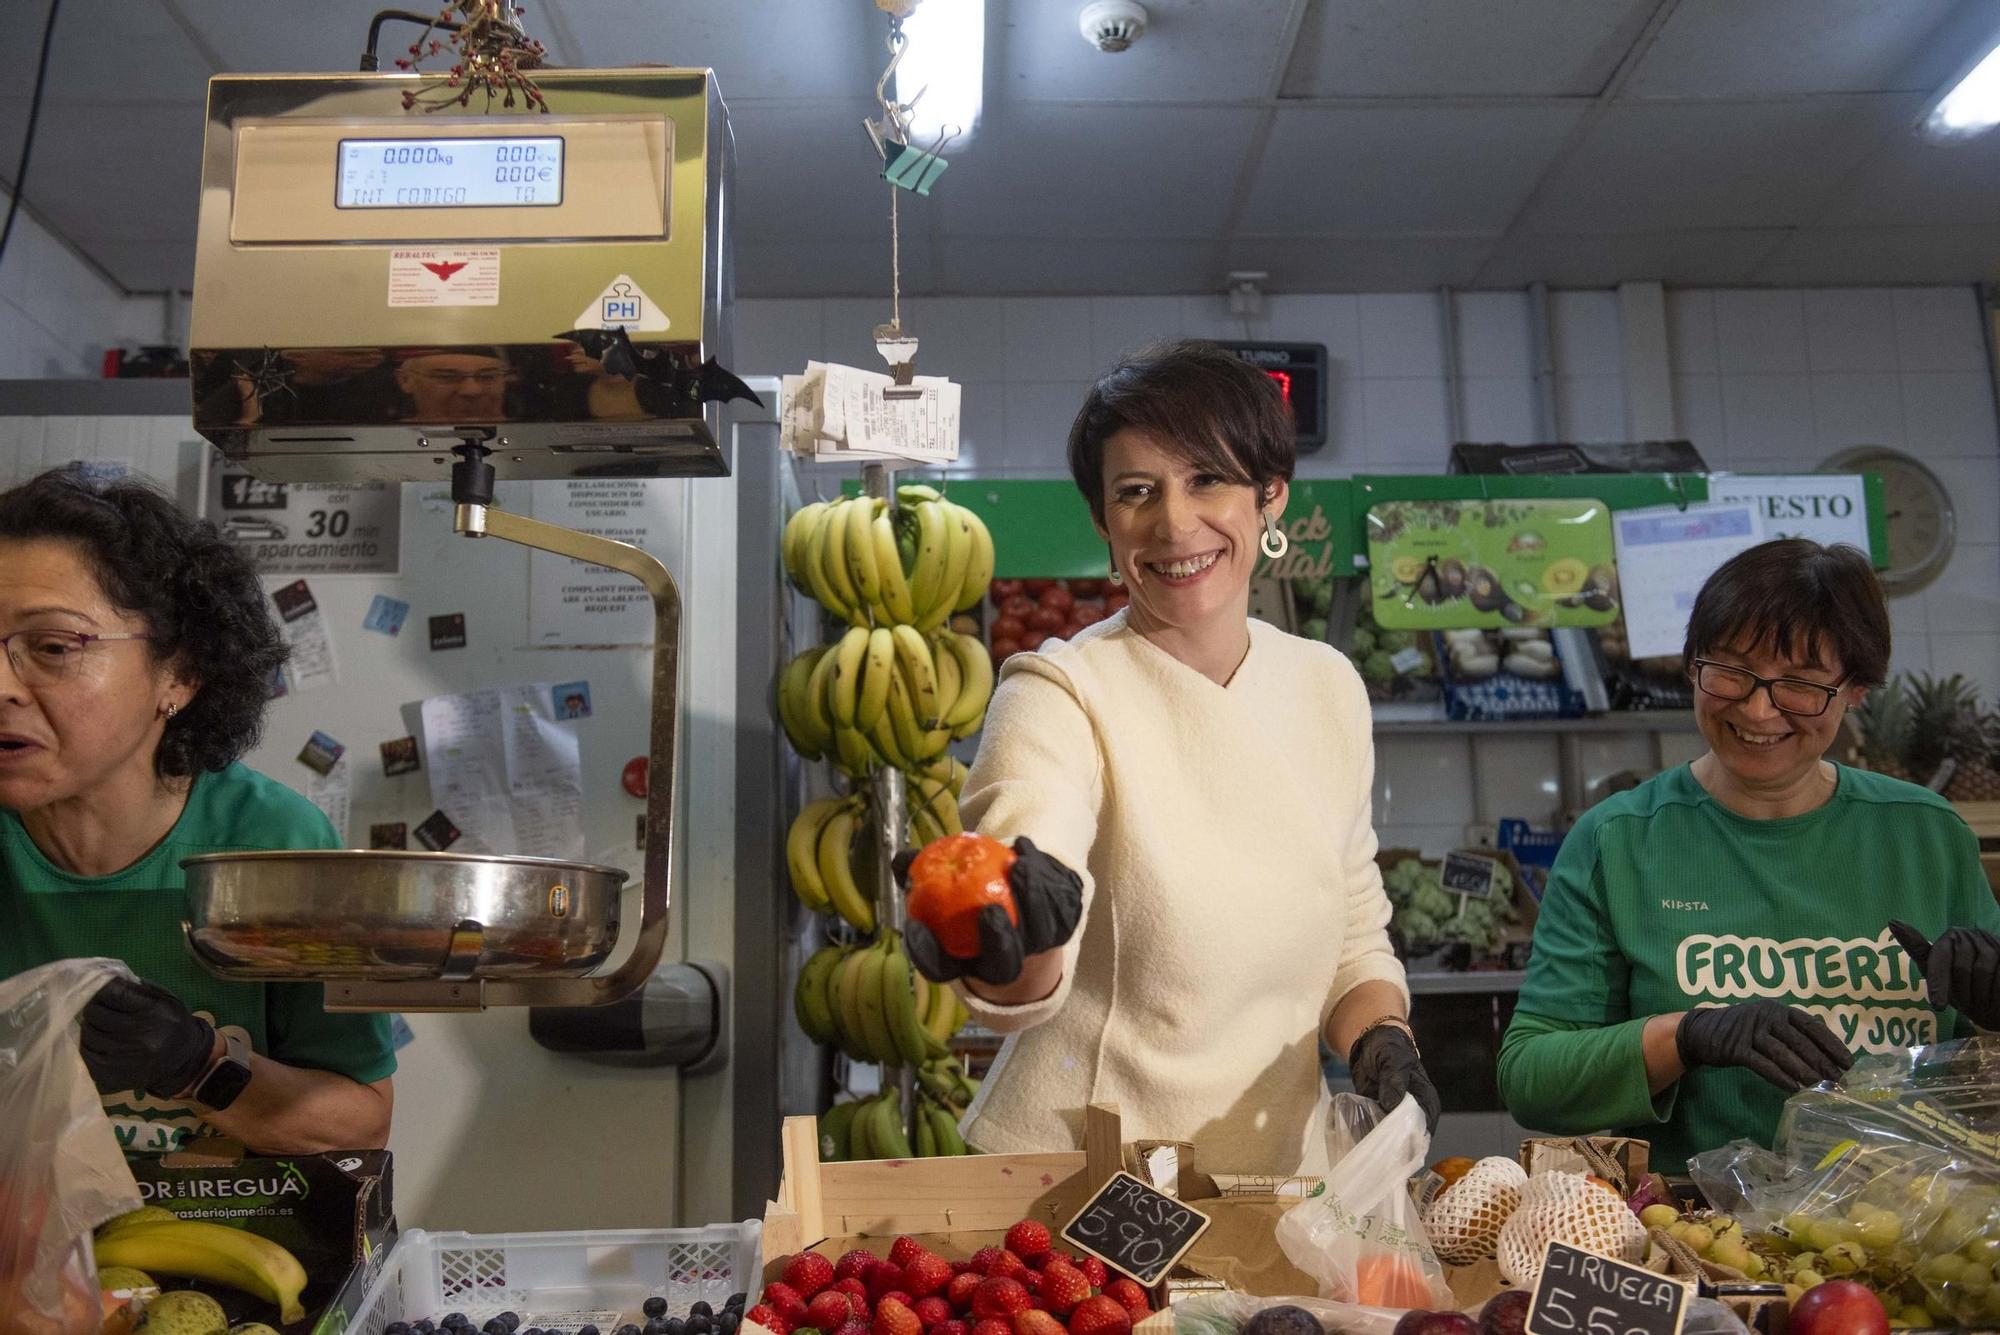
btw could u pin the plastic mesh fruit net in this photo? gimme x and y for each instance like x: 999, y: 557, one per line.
x: 1567, y: 1208
x: 1465, y: 1219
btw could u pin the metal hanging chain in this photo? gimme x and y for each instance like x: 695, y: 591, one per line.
x: 896, y: 114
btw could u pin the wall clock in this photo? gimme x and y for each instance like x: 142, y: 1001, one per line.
x: 1922, y: 522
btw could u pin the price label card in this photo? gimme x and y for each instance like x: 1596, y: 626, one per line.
x: 1134, y: 1229
x: 1468, y: 874
x: 1579, y: 1293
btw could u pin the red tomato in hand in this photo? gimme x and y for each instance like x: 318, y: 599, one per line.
x: 1007, y: 628
x: 952, y: 880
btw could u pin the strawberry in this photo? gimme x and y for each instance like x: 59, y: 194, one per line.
x: 1008, y: 1266
x: 983, y: 1261
x: 1093, y: 1270
x: 1000, y: 1297
x: 769, y: 1319
x: 1100, y: 1316
x: 1029, y: 1239
x: 932, y: 1311
x: 1064, y: 1286
x: 785, y: 1301
x: 992, y: 1326
x: 925, y: 1274
x: 1131, y: 1296
x: 829, y: 1310
x: 854, y: 1264
x: 961, y: 1267
x: 959, y: 1292
x: 883, y: 1277
x: 952, y: 1327
x: 905, y: 1249
x: 856, y: 1291
x: 898, y: 1296
x: 809, y: 1272
x: 1032, y: 1322
x: 894, y: 1318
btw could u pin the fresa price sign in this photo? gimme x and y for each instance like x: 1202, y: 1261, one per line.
x: 1580, y: 1293
x: 1135, y: 1229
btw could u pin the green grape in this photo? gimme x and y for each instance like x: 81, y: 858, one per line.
x: 1796, y: 1225
x: 1983, y: 1250
x: 1918, y: 1315
x: 1793, y: 1293
x: 1844, y: 1258
x: 1806, y: 1279
x: 1826, y: 1233
x: 1699, y: 1238
x: 1974, y: 1283
x: 1804, y: 1261
x: 1881, y: 1231
x: 1944, y: 1268
x: 1732, y: 1254
x: 1659, y: 1216
x: 1897, y: 1323
x: 1755, y: 1267
x: 1725, y: 1227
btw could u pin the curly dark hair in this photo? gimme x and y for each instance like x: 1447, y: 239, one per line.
x: 197, y: 593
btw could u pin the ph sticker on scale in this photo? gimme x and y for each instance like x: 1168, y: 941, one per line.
x: 622, y: 303
x: 435, y: 276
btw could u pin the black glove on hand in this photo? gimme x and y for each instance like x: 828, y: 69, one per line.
x: 137, y: 1035
x: 1790, y: 1048
x: 1385, y: 1066
x: 1049, y: 897
x: 1962, y: 967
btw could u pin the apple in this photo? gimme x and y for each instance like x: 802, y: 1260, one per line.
x: 1045, y: 619
x: 1003, y: 588
x: 1838, y: 1307
x: 1505, y: 1313
x: 1017, y: 605
x: 1436, y: 1323
x: 1008, y: 628
x: 1058, y: 597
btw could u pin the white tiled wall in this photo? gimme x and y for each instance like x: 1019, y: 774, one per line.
x: 1763, y: 380
x: 57, y: 314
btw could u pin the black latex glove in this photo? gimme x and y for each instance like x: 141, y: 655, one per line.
x: 1790, y: 1048
x: 1049, y: 897
x: 1385, y: 1066
x: 138, y: 1035
x: 1962, y: 967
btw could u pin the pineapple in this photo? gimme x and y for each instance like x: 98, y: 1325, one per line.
x: 1978, y: 779
x: 1884, y: 721
x: 1945, y: 724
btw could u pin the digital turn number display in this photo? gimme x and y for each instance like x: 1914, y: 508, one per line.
x: 1299, y: 371
x: 450, y: 173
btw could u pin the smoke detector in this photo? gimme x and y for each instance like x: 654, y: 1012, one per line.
x: 1112, y: 25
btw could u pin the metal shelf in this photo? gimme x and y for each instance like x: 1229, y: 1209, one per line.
x: 1473, y: 982
x: 1638, y: 721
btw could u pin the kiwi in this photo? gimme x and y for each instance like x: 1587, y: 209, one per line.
x: 1451, y: 573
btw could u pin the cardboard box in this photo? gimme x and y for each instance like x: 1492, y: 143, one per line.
x: 333, y: 1211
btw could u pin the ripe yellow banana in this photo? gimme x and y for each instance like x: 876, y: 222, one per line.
x: 812, y: 555
x: 903, y: 718
x: 802, y: 852
x: 815, y: 704
x: 910, y: 493
x: 883, y: 738
x: 958, y: 560
x: 979, y: 573
x: 927, y: 574
x: 976, y: 680
x: 853, y: 756
x: 877, y: 670
x: 809, y: 997
x: 940, y: 1019
x: 873, y: 1007
x: 833, y: 555
x: 845, y: 687
x: 861, y: 564
x: 935, y: 800
x: 951, y: 678
x: 836, y: 871
x: 896, y: 601
x: 813, y: 733
x: 792, y: 546
x: 913, y: 655
x: 846, y: 992
x: 958, y: 772
x: 214, y: 1252
x: 899, y: 1004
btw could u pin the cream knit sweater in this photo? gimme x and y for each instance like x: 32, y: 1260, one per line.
x: 1230, y: 891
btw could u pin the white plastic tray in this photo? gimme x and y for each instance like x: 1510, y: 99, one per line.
x: 560, y: 1281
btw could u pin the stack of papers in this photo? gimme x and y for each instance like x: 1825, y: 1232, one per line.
x: 838, y: 412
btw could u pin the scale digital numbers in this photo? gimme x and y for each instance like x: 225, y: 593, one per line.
x: 1135, y: 1229
x: 450, y: 173
x: 1579, y: 1293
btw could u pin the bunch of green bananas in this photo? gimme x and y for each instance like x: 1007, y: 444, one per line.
x: 887, y: 695
x: 872, y: 1128
x: 914, y: 567
x: 829, y: 849
x: 154, y: 1240
x: 869, y: 1001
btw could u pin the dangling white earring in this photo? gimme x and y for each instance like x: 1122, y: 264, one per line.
x: 1115, y: 577
x: 1274, y: 543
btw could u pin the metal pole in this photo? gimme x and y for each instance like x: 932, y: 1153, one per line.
x: 887, y: 794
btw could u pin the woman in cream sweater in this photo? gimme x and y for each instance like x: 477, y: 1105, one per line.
x: 1191, y: 788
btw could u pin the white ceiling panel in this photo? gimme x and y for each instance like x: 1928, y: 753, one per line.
x: 1106, y: 265
x: 759, y: 48
x: 1652, y: 166
x: 1934, y: 254
x: 104, y: 51
x: 1039, y: 170
x: 1448, y: 48
x: 1764, y: 48
x: 1360, y: 264
x: 810, y: 168
x: 1699, y: 257
x: 1192, y: 51
x: 1913, y: 182
x: 1449, y: 170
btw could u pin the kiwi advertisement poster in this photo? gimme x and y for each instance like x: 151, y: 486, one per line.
x: 1439, y: 565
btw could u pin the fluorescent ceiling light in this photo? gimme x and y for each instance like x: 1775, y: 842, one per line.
x: 944, y: 69
x: 1971, y: 105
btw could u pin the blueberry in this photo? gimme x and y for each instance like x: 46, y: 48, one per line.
x: 512, y: 1320
x: 455, y: 1319
x: 654, y: 1326
x: 424, y: 1327
x: 588, y: 1330
x: 701, y: 1309
x: 699, y: 1325
x: 728, y: 1322
x: 396, y: 1328
x: 628, y: 1329
x: 676, y: 1326
x: 496, y: 1327
x: 736, y: 1300
x: 655, y: 1306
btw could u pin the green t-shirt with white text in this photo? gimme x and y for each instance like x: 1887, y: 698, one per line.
x: 1662, y: 899
x: 135, y: 915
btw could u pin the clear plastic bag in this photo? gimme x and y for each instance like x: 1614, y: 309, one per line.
x: 1360, y: 1238
x: 61, y: 1171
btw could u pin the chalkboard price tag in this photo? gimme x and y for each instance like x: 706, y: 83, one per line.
x: 1469, y: 874
x: 1134, y: 1229
x: 1579, y: 1293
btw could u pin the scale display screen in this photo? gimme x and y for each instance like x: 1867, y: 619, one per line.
x: 450, y: 173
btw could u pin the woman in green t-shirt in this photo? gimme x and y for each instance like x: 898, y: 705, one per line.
x: 138, y: 658
x: 1721, y: 936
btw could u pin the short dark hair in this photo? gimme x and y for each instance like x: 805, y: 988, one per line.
x: 1214, y: 409
x: 197, y: 593
x: 1803, y: 600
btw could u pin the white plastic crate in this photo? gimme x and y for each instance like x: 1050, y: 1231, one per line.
x: 560, y: 1281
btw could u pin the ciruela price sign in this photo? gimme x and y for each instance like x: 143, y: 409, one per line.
x: 1134, y: 1229
x: 1579, y: 1293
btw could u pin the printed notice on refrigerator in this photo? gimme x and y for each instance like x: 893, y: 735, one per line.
x: 307, y: 528
x: 572, y: 603
x: 1665, y: 554
x: 506, y: 771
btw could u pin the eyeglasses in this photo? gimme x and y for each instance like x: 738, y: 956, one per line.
x: 46, y: 657
x: 1807, y: 699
